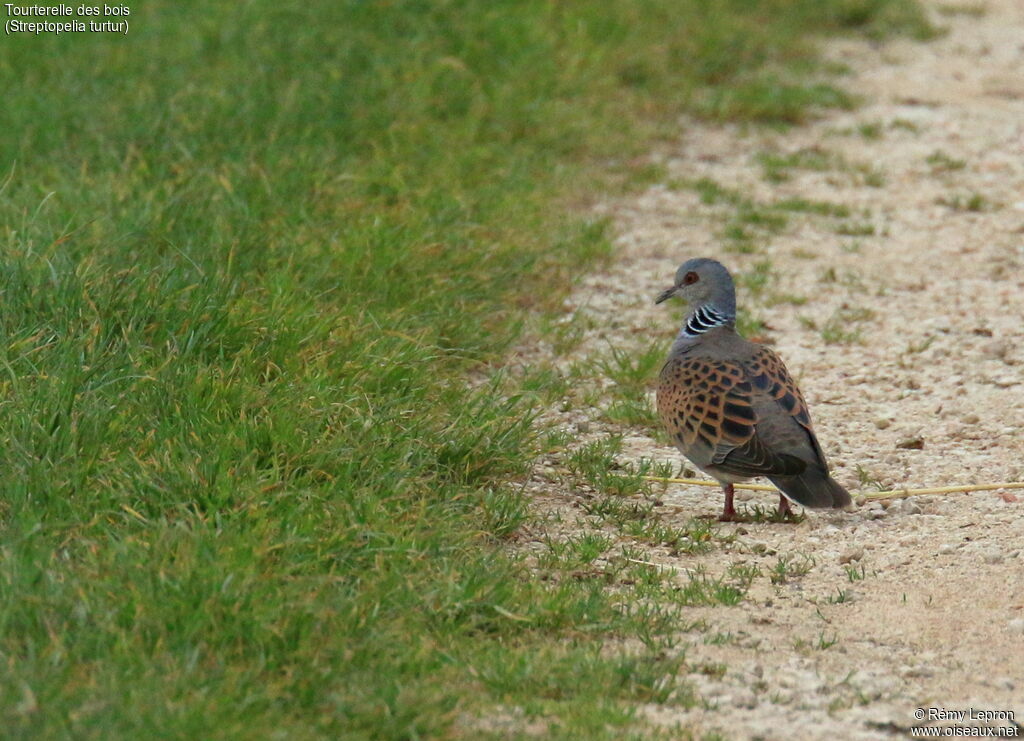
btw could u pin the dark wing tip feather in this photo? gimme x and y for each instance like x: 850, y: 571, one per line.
x: 813, y: 488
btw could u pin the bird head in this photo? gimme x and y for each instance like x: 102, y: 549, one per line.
x: 703, y: 282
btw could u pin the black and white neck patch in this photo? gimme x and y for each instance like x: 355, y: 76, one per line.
x: 703, y: 319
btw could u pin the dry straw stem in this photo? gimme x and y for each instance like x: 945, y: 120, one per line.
x: 891, y: 494
x: 655, y: 565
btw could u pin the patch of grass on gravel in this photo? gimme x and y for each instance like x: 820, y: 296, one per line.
x: 940, y: 162
x: 249, y: 254
x: 974, y: 202
x: 820, y: 208
x: 972, y: 10
x: 776, y: 165
x: 633, y: 374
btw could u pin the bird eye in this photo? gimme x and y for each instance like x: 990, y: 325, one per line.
x: 690, y: 277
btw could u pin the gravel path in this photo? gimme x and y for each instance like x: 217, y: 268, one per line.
x: 920, y: 291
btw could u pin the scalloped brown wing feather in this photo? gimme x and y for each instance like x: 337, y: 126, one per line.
x: 768, y: 374
x: 708, y: 409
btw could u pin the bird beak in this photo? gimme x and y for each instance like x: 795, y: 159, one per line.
x: 666, y: 295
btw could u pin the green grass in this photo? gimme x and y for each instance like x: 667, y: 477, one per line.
x: 789, y: 566
x: 870, y: 130
x: 842, y: 327
x: 973, y: 10
x: 633, y: 373
x: 855, y: 574
x: 975, y: 202
x: 856, y: 229
x: 776, y: 166
x: 750, y: 223
x: 762, y: 513
x: 941, y: 162
x: 904, y: 125
x: 841, y: 596
x: 822, y: 644
x: 770, y: 99
x: 248, y: 254
x: 820, y: 208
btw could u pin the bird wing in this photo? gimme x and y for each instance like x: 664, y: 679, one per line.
x: 708, y: 405
x: 768, y: 375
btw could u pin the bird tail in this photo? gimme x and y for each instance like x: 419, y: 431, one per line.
x: 813, y: 488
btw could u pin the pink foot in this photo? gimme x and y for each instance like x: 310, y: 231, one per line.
x: 728, y: 512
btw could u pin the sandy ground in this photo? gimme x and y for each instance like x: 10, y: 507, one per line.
x: 937, y: 296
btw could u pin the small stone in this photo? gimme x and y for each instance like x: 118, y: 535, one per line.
x: 971, y: 419
x: 1016, y: 625
x: 911, y: 443
x: 993, y: 556
x: 882, y: 423
x: 583, y: 427
x: 996, y: 349
x: 854, y: 554
x: 946, y: 548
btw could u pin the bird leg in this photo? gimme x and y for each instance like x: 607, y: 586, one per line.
x: 729, y: 513
x: 784, y: 508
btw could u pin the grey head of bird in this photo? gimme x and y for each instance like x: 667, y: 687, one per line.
x: 704, y: 283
